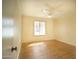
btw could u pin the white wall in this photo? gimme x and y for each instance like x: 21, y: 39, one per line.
x: 65, y: 25
x: 65, y: 29
x: 28, y: 29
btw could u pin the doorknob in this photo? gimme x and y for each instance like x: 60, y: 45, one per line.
x: 13, y: 49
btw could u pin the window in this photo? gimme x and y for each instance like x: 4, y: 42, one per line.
x: 7, y: 27
x: 39, y: 28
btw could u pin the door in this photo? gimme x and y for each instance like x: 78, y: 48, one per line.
x: 11, y: 29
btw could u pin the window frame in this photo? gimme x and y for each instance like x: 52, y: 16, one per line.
x: 39, y: 31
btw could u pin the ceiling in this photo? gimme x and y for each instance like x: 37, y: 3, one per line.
x: 45, y: 8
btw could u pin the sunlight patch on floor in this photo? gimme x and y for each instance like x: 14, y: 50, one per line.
x: 36, y: 44
x: 38, y: 49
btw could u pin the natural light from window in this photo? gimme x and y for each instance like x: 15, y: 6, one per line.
x: 39, y: 28
x: 7, y: 27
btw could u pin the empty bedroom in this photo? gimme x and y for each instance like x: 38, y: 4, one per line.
x: 38, y: 29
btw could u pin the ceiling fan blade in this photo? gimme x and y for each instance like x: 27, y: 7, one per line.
x: 53, y: 8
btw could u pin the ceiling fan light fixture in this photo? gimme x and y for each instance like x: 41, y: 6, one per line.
x: 49, y: 16
x: 47, y: 13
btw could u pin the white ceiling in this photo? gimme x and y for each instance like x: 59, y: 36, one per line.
x: 43, y: 8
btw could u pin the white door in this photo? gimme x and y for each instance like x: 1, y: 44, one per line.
x: 11, y: 29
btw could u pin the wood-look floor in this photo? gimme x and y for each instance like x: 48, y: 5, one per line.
x: 47, y: 50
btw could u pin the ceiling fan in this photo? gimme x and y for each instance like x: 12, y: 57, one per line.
x: 50, y: 10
